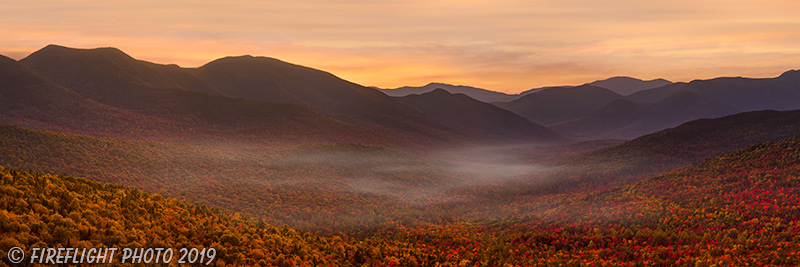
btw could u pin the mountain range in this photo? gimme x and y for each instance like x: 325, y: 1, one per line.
x: 255, y: 97
x: 106, y: 91
x: 480, y: 94
x: 433, y: 177
x: 591, y: 112
x: 622, y: 85
x: 625, y: 108
x: 625, y: 119
x: 469, y: 113
x: 560, y: 104
x: 685, y: 144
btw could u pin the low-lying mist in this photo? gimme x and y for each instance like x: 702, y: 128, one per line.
x: 313, y: 186
x: 344, y: 180
x: 432, y: 178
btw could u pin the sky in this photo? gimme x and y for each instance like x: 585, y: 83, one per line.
x: 501, y: 45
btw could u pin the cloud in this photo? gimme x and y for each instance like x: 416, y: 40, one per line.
x: 504, y: 45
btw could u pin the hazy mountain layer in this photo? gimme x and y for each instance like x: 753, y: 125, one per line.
x: 626, y: 85
x: 468, y: 113
x: 479, y: 94
x: 560, y: 104
x: 624, y: 119
x: 244, y: 94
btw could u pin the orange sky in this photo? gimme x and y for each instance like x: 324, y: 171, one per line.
x: 503, y: 45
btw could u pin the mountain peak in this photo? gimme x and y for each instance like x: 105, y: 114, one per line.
x: 625, y: 85
x: 443, y: 95
x: 623, y: 78
x: 439, y: 84
x: 439, y: 90
x: 790, y: 74
x: 254, y: 64
x: 479, y: 94
x: 486, y: 119
x: 53, y: 49
x: 241, y: 59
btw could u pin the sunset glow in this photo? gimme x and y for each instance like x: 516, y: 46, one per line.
x: 506, y: 45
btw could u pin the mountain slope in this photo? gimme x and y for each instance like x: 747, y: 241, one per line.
x: 624, y: 119
x: 466, y: 112
x: 30, y: 99
x: 748, y: 197
x: 676, y: 147
x: 309, y: 186
x: 650, y: 110
x: 745, y: 94
x: 274, y: 93
x: 479, y: 94
x: 703, y: 138
x: 554, y: 105
x: 738, y: 209
x: 669, y: 105
x: 111, y: 77
x: 65, y: 211
x: 272, y: 80
x: 624, y: 85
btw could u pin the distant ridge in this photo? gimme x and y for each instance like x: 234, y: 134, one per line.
x: 469, y: 113
x: 662, y: 107
x: 699, y: 139
x: 243, y: 95
x: 625, y: 119
x: 479, y: 94
x: 271, y: 80
x: 560, y: 104
x: 674, y: 148
x: 624, y: 85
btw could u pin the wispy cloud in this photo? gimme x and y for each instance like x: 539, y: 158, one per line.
x: 504, y: 45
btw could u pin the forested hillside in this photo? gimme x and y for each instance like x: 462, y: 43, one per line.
x: 737, y: 209
x: 306, y: 186
x: 44, y: 210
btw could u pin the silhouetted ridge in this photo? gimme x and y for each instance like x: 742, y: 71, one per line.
x: 745, y: 94
x: 790, y: 75
x: 30, y: 99
x: 53, y: 49
x: 20, y: 86
x: 441, y: 92
x: 473, y: 92
x: 466, y: 112
x: 271, y: 80
x: 138, y: 88
x: 699, y: 139
x: 624, y: 85
x: 202, y: 96
x: 560, y: 104
x: 685, y: 144
x: 625, y: 119
x: 99, y: 73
